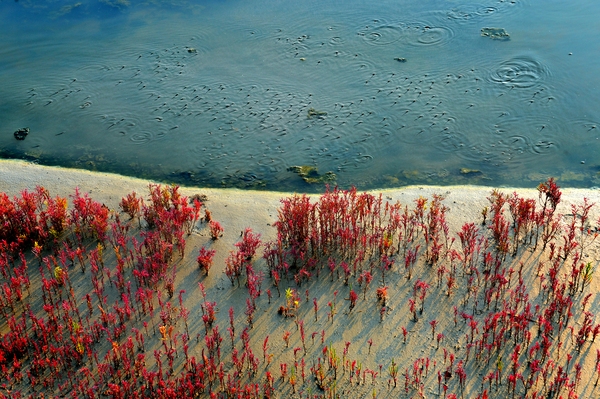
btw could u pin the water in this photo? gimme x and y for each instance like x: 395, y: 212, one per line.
x: 218, y: 93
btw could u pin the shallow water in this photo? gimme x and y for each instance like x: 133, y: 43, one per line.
x: 219, y: 93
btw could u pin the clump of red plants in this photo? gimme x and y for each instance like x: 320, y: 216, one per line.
x: 92, y: 305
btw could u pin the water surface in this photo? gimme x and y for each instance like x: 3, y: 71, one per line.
x: 218, y: 93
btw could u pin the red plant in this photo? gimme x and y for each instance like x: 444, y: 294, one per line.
x: 382, y: 294
x: 216, y: 230
x: 410, y: 259
x: 412, y: 305
x: 365, y: 278
x: 131, y: 205
x: 353, y: 298
x: 433, y: 324
x: 286, y: 338
x: 549, y: 194
x: 234, y: 266
x: 302, y: 334
x: 250, y: 242
x: 420, y: 291
x: 440, y: 337
x: 205, y: 259
x: 250, y: 308
x: 89, y: 217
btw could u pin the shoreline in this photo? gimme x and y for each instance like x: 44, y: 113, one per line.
x: 465, y: 201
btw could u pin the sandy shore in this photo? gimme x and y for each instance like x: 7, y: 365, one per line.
x: 237, y: 209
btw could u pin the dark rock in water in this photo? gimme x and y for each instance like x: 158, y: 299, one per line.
x: 495, y: 33
x: 400, y: 59
x: 22, y: 133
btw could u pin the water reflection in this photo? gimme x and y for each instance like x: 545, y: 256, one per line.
x: 221, y: 93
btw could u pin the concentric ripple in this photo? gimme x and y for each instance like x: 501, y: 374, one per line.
x: 336, y: 41
x: 585, y: 127
x: 416, y: 33
x: 521, y: 72
x: 470, y: 11
x: 381, y: 35
x: 518, y: 137
x: 141, y: 137
x: 424, y: 34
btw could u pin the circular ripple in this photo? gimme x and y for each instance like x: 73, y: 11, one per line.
x: 423, y: 34
x: 584, y: 127
x: 452, y: 142
x: 336, y: 41
x: 534, y: 126
x: 469, y: 12
x: 92, y: 72
x: 543, y: 146
x: 257, y: 32
x: 522, y: 72
x: 141, y: 137
x: 520, y: 140
x: 417, y: 33
x: 518, y: 145
x: 416, y: 134
x: 363, y: 64
x: 513, y: 142
x: 381, y: 35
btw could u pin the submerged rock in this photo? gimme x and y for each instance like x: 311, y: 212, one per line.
x: 311, y: 175
x: 314, y: 113
x: 469, y: 172
x: 495, y: 33
x: 21, y: 133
